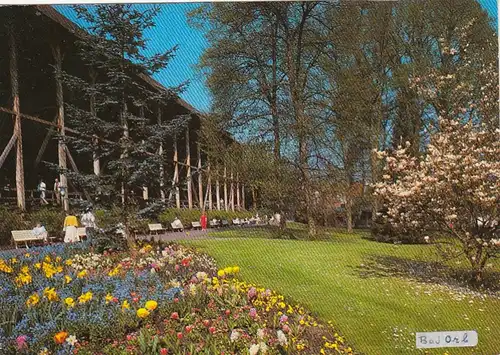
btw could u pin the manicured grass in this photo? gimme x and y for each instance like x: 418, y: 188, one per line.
x: 377, y: 312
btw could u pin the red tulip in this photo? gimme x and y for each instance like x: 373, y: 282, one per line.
x: 174, y: 315
x: 179, y: 335
x: 163, y: 351
x: 211, y: 330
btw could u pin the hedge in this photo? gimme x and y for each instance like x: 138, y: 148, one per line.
x: 188, y: 216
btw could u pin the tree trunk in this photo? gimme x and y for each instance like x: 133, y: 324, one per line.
x: 348, y: 210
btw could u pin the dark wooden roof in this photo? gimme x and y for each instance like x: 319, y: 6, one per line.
x: 77, y: 31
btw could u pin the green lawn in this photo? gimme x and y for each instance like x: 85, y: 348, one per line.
x: 377, y: 311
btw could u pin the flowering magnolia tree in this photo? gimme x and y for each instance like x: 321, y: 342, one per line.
x: 453, y: 191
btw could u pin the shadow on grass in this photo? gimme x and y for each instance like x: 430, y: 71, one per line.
x: 428, y: 272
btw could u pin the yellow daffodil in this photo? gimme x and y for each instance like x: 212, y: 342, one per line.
x: 125, y: 305
x: 70, y: 302
x: 228, y: 270
x: 13, y: 261
x: 108, y: 298
x: 220, y: 273
x: 25, y: 269
x: 236, y: 269
x: 50, y: 294
x: 82, y: 274
x: 84, y: 298
x: 69, y: 262
x: 38, y: 265
x: 67, y: 279
x: 151, y: 305
x: 142, y: 313
x: 33, y: 300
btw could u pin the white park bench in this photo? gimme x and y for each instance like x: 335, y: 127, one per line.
x: 214, y: 224
x: 196, y: 225
x: 236, y: 222
x: 177, y: 227
x: 81, y: 232
x: 225, y: 223
x: 156, y: 227
x: 26, y: 236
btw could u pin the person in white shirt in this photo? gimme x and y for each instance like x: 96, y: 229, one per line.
x: 177, y: 224
x: 57, y: 191
x: 88, y: 221
x: 40, y: 231
x: 42, y: 188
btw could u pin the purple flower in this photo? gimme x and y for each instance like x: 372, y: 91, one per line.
x: 283, y: 318
x: 252, y: 313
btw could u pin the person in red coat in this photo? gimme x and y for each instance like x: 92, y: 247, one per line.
x: 203, y: 221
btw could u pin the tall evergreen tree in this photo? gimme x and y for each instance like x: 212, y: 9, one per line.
x: 117, y: 115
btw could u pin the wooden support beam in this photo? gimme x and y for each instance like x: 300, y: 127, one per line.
x: 95, y: 141
x: 243, y: 196
x: 16, y: 109
x: 175, y: 182
x: 75, y: 169
x: 160, y: 153
x: 8, y: 148
x: 56, y: 52
x: 188, y: 170
x: 209, y: 187
x: 232, y: 191
x: 45, y: 142
x: 238, y: 206
x: 145, y: 189
x: 225, y: 189
x: 200, y: 181
x: 217, y: 189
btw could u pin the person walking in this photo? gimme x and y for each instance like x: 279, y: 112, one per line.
x: 203, y: 221
x: 88, y: 221
x: 42, y: 188
x: 57, y: 191
x: 70, y: 228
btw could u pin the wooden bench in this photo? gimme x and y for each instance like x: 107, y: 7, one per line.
x: 27, y: 236
x: 196, y: 225
x: 176, y: 228
x: 156, y: 227
x: 225, y: 223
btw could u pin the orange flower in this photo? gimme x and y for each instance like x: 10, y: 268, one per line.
x: 60, y: 337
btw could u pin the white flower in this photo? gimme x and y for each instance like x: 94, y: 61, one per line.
x: 426, y: 238
x: 282, y: 338
x: 71, y: 340
x: 235, y: 335
x: 263, y: 347
x: 260, y: 333
x: 254, y: 349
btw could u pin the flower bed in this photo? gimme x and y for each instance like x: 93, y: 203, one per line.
x: 65, y: 299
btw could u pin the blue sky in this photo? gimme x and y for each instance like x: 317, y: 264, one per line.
x: 172, y: 29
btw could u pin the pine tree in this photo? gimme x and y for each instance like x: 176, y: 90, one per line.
x: 116, y: 102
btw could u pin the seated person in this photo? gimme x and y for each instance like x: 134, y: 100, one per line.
x: 40, y: 231
x: 177, y: 224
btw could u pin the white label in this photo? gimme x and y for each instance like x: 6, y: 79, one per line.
x: 452, y: 339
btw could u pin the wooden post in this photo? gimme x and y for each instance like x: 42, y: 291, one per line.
x: 217, y: 189
x: 209, y: 187
x: 145, y: 189
x: 225, y: 189
x: 8, y: 148
x: 16, y: 108
x: 200, y: 181
x: 176, y: 175
x: 232, y: 191
x: 238, y: 206
x: 160, y: 153
x: 95, y: 157
x: 45, y: 142
x: 188, y: 170
x: 56, y: 51
x: 243, y: 196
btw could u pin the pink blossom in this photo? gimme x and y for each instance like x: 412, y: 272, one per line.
x: 22, y: 342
